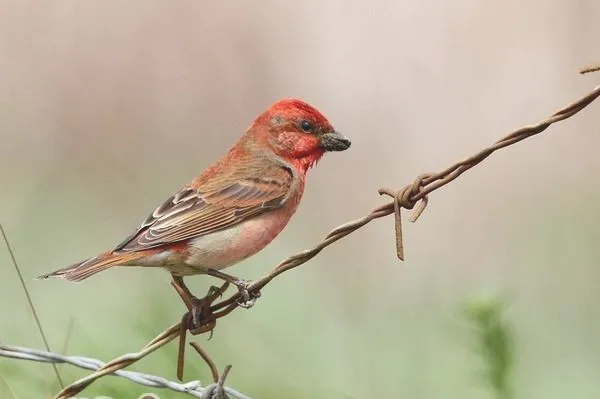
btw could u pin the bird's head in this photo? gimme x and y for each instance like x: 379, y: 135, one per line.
x: 298, y: 132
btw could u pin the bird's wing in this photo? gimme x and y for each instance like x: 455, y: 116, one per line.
x: 223, y: 201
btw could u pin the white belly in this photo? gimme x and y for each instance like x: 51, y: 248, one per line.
x: 228, y: 247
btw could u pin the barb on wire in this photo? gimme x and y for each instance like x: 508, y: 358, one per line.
x: 208, y: 360
x: 218, y: 389
x: 588, y: 69
x: 192, y: 388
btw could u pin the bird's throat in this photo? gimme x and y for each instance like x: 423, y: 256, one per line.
x: 307, y: 162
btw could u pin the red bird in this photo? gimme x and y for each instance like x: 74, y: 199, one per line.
x: 235, y: 207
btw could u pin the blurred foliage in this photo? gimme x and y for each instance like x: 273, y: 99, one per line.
x: 494, y: 342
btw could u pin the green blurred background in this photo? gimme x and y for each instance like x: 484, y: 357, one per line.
x: 108, y: 107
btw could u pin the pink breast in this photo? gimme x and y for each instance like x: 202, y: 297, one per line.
x: 227, y: 247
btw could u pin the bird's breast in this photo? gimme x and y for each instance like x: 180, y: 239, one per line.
x: 227, y: 247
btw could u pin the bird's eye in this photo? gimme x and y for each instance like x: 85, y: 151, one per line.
x: 306, y: 126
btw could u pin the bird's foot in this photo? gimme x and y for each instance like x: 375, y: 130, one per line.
x: 215, y: 293
x: 199, y: 318
x: 247, y: 298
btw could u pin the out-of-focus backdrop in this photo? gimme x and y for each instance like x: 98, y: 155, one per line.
x: 108, y: 107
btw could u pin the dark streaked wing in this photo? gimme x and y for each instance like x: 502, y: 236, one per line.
x: 225, y: 201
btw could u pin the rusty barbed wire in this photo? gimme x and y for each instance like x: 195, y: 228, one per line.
x: 588, y: 69
x: 192, y: 388
x: 412, y: 196
x: 119, y: 363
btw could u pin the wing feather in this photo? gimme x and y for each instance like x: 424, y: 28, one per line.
x: 222, y: 202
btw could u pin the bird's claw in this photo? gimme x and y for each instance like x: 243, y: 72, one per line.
x: 216, y: 292
x: 247, y: 298
x: 199, y: 318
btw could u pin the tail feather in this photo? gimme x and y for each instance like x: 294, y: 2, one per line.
x: 82, y: 270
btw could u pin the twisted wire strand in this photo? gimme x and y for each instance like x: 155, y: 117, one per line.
x: 192, y: 388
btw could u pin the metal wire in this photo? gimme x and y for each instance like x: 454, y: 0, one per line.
x: 591, y: 68
x: 192, y: 388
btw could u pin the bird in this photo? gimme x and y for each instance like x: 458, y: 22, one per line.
x: 234, y: 208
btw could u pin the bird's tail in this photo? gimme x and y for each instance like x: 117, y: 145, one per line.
x: 82, y: 270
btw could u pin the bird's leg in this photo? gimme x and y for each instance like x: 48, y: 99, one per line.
x: 199, y: 318
x: 199, y: 309
x: 247, y: 299
x: 183, y: 289
x: 195, y: 306
x: 213, y: 292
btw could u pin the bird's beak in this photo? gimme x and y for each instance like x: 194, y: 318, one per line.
x: 334, y: 141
